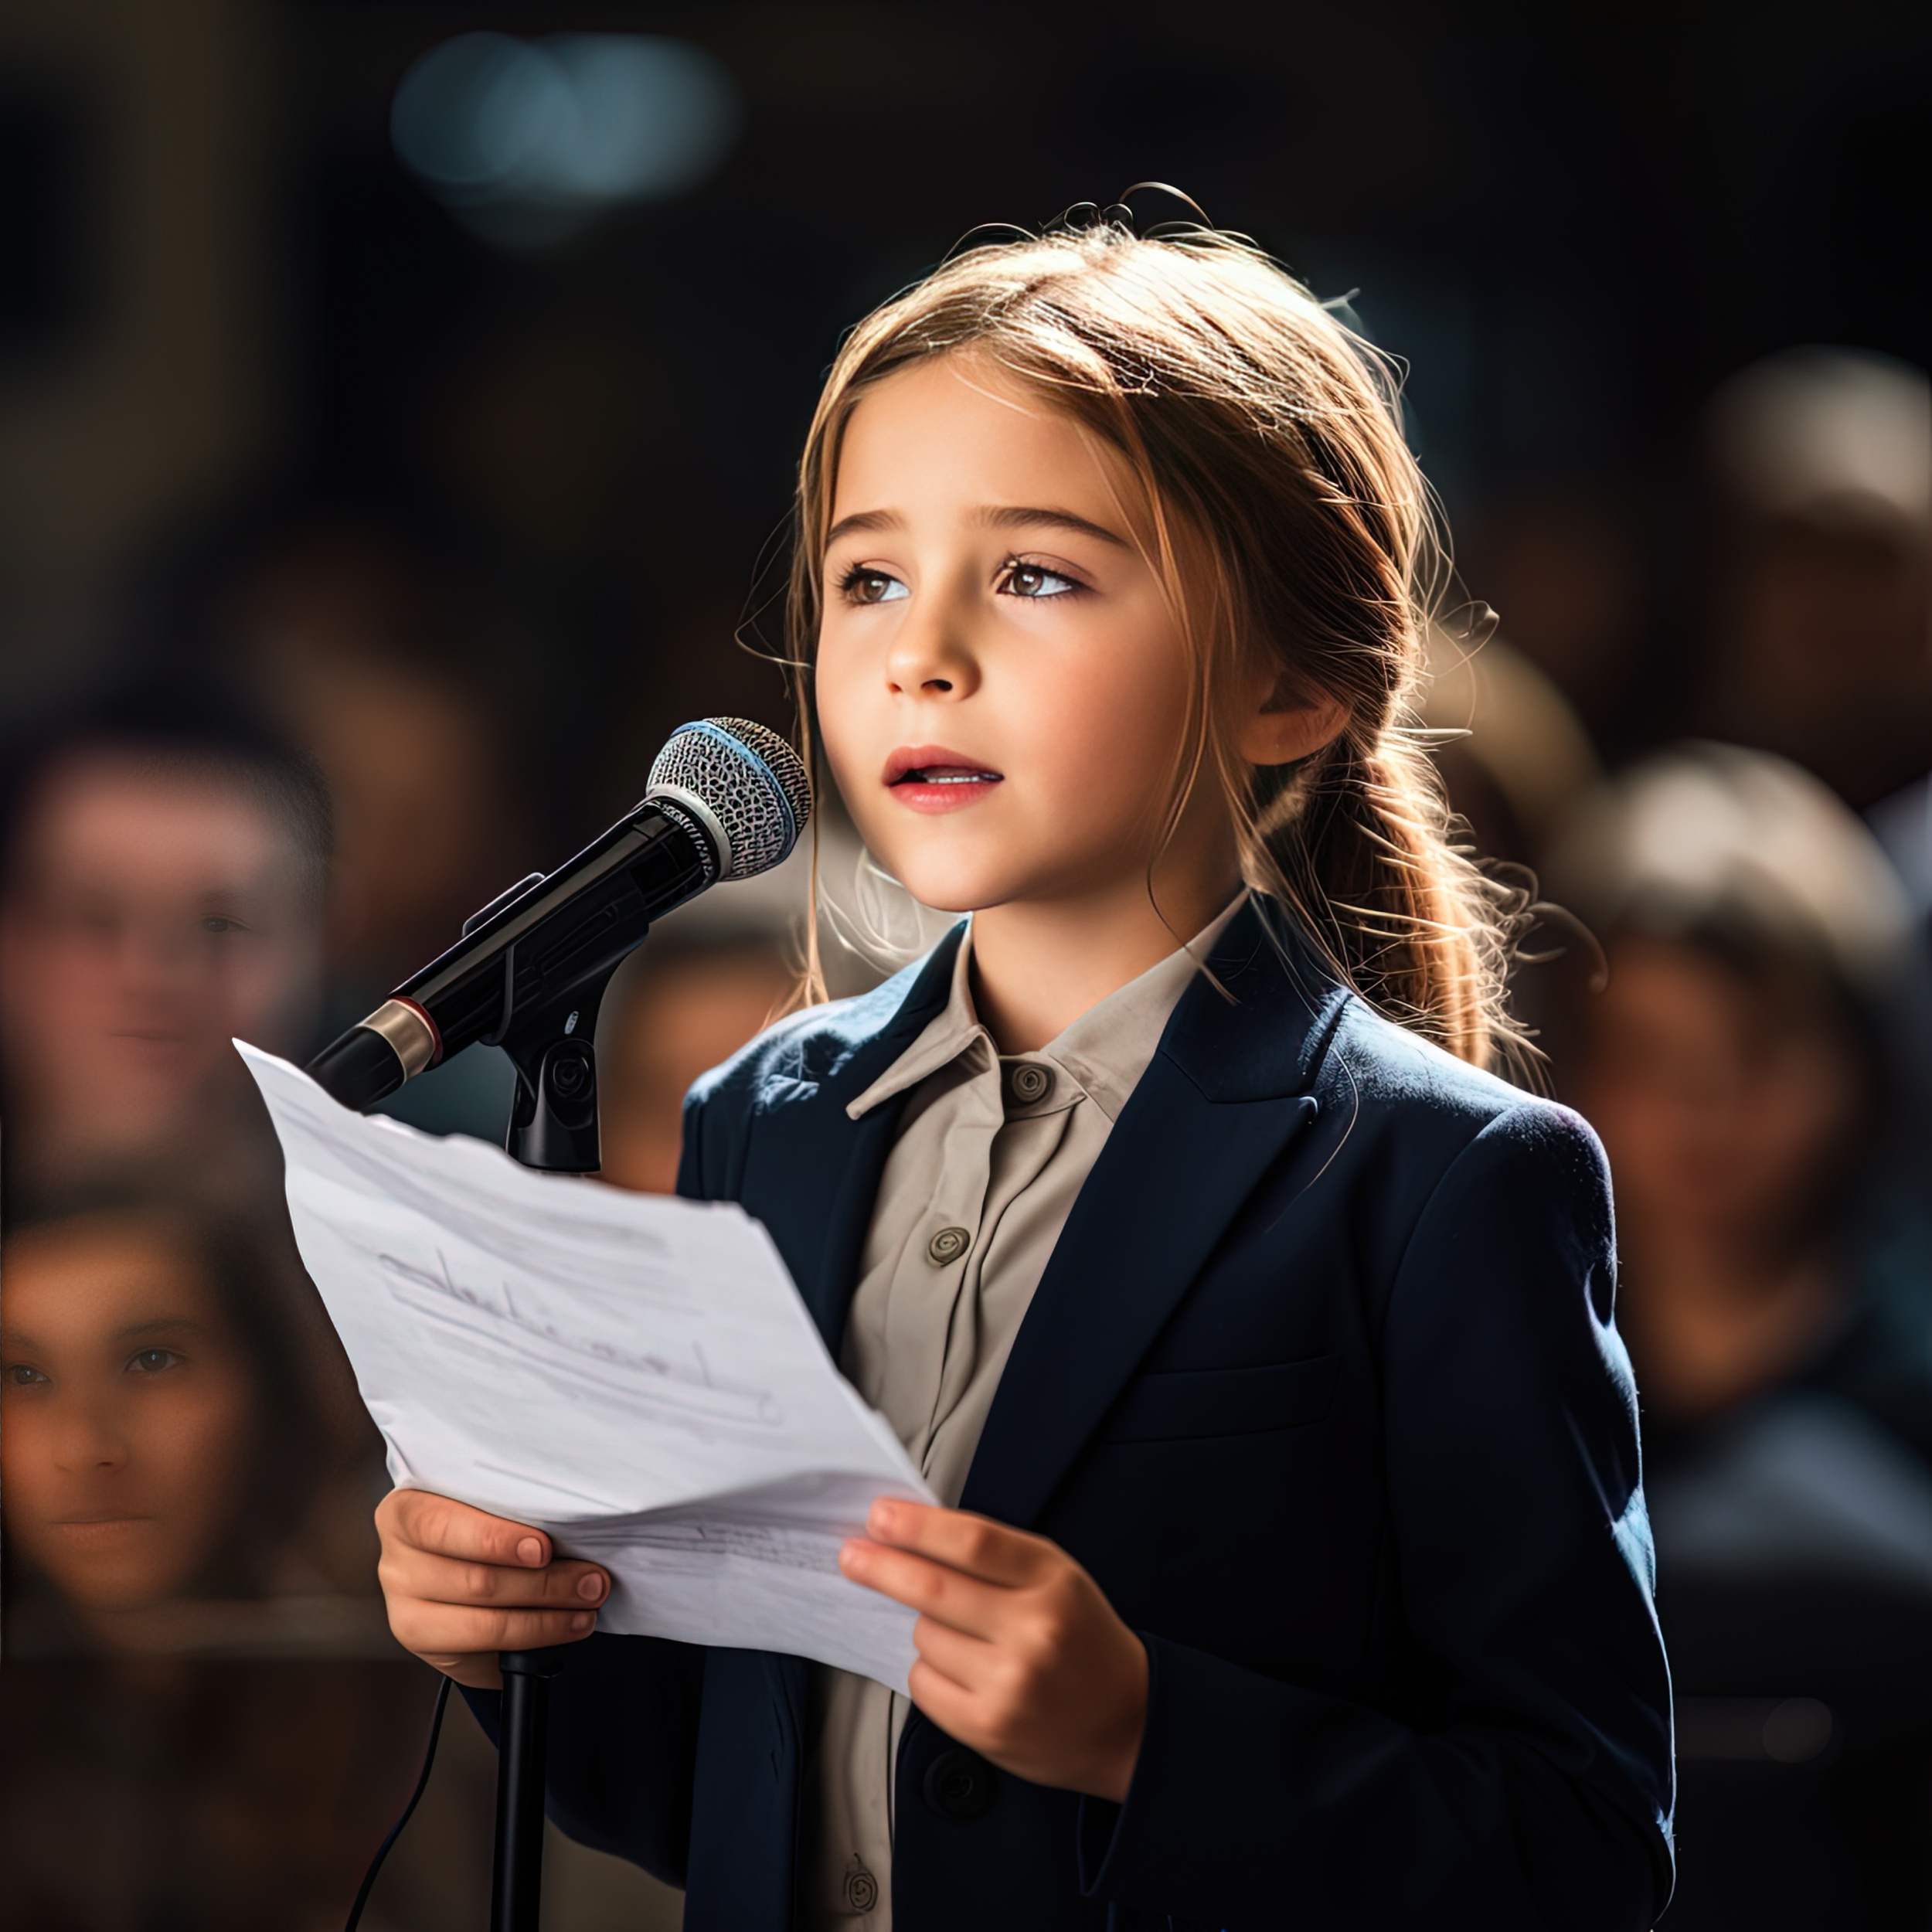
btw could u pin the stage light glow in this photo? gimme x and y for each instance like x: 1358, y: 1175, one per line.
x: 527, y: 140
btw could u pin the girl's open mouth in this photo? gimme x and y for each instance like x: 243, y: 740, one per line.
x: 928, y: 778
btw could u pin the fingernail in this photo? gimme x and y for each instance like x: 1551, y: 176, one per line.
x: 582, y: 1620
x: 590, y: 1588
x: 529, y: 1551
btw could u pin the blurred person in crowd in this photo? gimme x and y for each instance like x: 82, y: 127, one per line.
x: 1903, y: 825
x: 1566, y: 571
x: 146, y: 1793
x: 1514, y: 755
x: 343, y: 639
x: 1744, y: 1065
x: 160, y: 1442
x: 1753, y: 1069
x: 341, y: 636
x: 688, y: 998
x: 1822, y: 625
x: 164, y: 868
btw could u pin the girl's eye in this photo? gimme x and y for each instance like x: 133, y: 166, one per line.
x: 149, y: 1362
x: 861, y: 586
x: 24, y: 1375
x: 217, y: 922
x: 1036, y: 580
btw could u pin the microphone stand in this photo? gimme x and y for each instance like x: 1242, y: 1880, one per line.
x: 554, y: 1127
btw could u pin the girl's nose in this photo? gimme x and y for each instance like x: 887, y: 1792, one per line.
x: 928, y: 658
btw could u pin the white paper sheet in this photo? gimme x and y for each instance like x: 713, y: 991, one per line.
x: 636, y: 1374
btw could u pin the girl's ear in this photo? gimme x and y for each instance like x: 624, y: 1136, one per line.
x: 1282, y: 729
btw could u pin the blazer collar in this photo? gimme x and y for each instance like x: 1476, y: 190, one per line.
x: 1224, y: 1097
x: 816, y: 1196
x: 846, y: 1050
x: 1261, y: 1037
x: 1225, y: 1094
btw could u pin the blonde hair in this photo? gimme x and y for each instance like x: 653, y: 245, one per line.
x: 1258, y: 425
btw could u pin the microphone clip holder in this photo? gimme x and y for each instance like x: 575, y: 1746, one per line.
x: 553, y: 1045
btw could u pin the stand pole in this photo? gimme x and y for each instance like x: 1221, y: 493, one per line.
x: 516, y: 1892
x: 553, y: 1128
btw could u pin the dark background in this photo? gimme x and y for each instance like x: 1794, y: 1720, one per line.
x: 1571, y: 227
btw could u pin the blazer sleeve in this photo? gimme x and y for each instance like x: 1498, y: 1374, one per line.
x: 1544, y: 1798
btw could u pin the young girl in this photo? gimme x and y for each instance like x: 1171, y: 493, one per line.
x: 1299, y: 1573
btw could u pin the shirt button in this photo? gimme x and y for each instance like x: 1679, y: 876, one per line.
x: 947, y: 1246
x: 1030, y: 1082
x: 862, y: 1888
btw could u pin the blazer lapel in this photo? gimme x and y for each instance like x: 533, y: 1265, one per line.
x: 1221, y: 1100
x: 813, y: 1172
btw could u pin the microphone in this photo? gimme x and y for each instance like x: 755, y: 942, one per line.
x: 726, y: 799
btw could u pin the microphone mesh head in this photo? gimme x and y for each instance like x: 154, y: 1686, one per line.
x: 753, y: 782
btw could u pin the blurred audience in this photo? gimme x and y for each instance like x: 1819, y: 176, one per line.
x: 342, y: 639
x: 1821, y: 644
x: 340, y: 635
x: 164, y: 865
x: 1755, y: 1066
x: 686, y: 1000
x: 229, y: 1795
x: 1515, y: 756
x: 1565, y: 570
x: 1903, y: 825
x: 163, y: 1447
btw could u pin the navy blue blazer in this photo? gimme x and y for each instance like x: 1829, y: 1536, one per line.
x: 1321, y: 1385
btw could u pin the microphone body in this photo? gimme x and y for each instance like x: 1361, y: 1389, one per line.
x: 542, y: 937
x: 727, y: 799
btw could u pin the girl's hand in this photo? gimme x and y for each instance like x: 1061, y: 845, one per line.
x: 1020, y: 1656
x: 460, y: 1586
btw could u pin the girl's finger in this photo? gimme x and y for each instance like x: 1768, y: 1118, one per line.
x: 934, y: 1590
x: 442, y: 1579
x: 448, y: 1629
x: 446, y: 1528
x: 949, y: 1704
x: 976, y: 1545
x: 959, y: 1658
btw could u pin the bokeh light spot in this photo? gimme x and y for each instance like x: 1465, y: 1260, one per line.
x: 527, y: 140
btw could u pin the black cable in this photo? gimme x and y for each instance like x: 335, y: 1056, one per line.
x: 416, y: 1798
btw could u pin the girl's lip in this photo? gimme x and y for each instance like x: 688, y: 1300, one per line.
x: 925, y: 765
x: 929, y: 778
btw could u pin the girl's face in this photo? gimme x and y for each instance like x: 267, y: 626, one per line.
x: 1002, y: 686
x: 126, y: 1412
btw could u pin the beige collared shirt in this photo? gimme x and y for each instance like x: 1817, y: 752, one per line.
x: 992, y: 1150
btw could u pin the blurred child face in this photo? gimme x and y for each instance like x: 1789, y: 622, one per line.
x: 1729, y: 1109
x: 126, y: 1412
x: 153, y: 917
x: 1002, y: 684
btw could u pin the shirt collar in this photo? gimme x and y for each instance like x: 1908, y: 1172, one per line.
x: 1105, y: 1051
